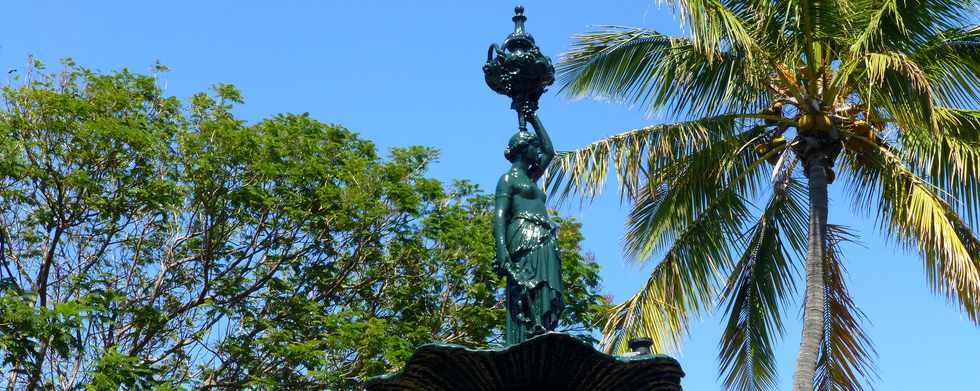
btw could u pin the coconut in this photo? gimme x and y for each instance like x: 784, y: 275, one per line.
x: 777, y: 142
x: 814, y: 122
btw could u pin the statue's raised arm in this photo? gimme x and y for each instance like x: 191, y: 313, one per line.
x: 547, y: 151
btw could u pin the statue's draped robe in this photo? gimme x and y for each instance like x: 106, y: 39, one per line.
x: 534, y: 287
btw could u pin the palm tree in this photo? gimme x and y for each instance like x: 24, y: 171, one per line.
x: 770, y: 96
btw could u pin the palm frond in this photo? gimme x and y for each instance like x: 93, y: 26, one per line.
x: 584, y: 171
x: 683, y: 284
x: 614, y: 62
x: 950, y: 160
x: 878, y: 66
x: 821, y: 25
x: 677, y: 193
x: 646, y: 67
x: 695, y: 204
x: 876, y: 15
x: 715, y: 25
x: 896, y: 83
x: 846, y: 352
x: 919, y: 215
x: 770, y: 22
x: 951, y: 60
x: 886, y: 25
x: 758, y: 286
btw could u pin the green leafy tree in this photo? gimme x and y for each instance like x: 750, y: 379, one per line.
x: 149, y: 243
x: 880, y: 95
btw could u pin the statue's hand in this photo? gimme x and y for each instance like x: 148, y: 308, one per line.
x: 532, y: 117
x: 528, y: 108
x: 500, y: 264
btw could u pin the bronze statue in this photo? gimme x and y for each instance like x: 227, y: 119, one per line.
x: 526, y: 239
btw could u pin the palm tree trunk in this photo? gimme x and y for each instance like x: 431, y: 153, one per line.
x: 813, y: 311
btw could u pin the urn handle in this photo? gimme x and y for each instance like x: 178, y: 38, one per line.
x: 494, y: 48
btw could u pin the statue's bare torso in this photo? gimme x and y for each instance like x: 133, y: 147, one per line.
x: 526, y: 196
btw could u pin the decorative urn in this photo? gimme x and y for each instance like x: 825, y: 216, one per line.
x: 517, y: 68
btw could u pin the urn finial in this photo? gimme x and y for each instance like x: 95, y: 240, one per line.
x: 519, y: 20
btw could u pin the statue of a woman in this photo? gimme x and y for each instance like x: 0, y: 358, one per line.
x: 526, y: 239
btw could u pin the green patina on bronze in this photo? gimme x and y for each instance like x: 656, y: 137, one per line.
x: 526, y: 240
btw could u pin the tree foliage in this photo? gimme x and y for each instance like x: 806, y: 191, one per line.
x: 151, y: 243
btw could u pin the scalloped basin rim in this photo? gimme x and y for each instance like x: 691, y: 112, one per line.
x: 429, y: 357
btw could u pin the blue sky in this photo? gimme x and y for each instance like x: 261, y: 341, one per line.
x: 403, y: 73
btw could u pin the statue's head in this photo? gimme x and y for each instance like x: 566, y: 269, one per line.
x: 521, y: 143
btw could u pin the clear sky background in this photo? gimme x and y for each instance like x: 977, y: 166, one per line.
x: 409, y: 72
